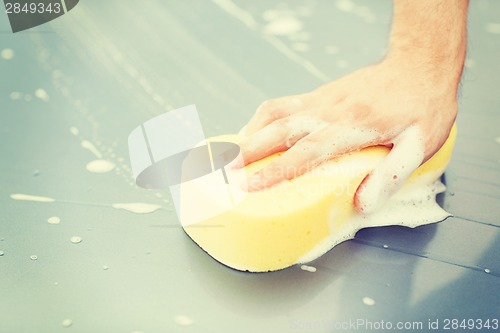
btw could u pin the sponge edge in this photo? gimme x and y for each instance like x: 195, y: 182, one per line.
x: 299, y: 220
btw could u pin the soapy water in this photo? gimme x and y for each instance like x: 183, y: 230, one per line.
x: 100, y: 166
x: 134, y: 207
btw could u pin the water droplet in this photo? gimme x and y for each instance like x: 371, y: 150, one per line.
x: 2, y: 253
x: 67, y: 322
x: 33, y: 257
x: 487, y: 270
x: 368, y: 301
x: 183, y: 320
x: 308, y: 268
x: 42, y: 94
x: 105, y: 267
x: 7, y: 54
x: 76, y: 239
x: 342, y: 64
x: 74, y: 130
x: 386, y: 246
x: 54, y: 220
x: 100, y: 166
x: 493, y: 28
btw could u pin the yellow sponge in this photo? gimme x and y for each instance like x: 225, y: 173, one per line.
x: 301, y: 219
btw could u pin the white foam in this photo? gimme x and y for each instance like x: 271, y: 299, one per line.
x: 27, y: 197
x: 410, y: 207
x: 100, y: 166
x: 137, y: 207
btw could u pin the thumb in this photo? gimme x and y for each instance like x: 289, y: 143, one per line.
x: 405, y: 157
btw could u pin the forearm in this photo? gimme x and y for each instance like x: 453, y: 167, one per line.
x: 431, y: 34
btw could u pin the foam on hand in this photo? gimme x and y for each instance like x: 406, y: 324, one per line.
x: 299, y: 220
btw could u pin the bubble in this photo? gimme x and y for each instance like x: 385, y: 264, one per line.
x: 368, y: 301
x: 34, y: 257
x: 2, y: 253
x: 76, y: 239
x: 386, y: 246
x: 487, y: 270
x: 105, y: 267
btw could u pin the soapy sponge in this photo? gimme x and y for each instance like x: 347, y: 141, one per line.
x: 299, y: 220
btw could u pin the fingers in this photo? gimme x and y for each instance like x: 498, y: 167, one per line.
x: 272, y: 110
x: 278, y: 136
x: 315, y: 148
x: 405, y: 157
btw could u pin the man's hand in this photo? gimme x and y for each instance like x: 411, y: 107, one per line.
x: 407, y: 102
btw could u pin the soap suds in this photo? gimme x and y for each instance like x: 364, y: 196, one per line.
x: 90, y: 147
x: 54, y: 220
x: 308, y: 268
x: 100, y: 166
x: 368, y: 301
x: 410, y: 207
x: 137, y: 207
x: 27, y: 197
